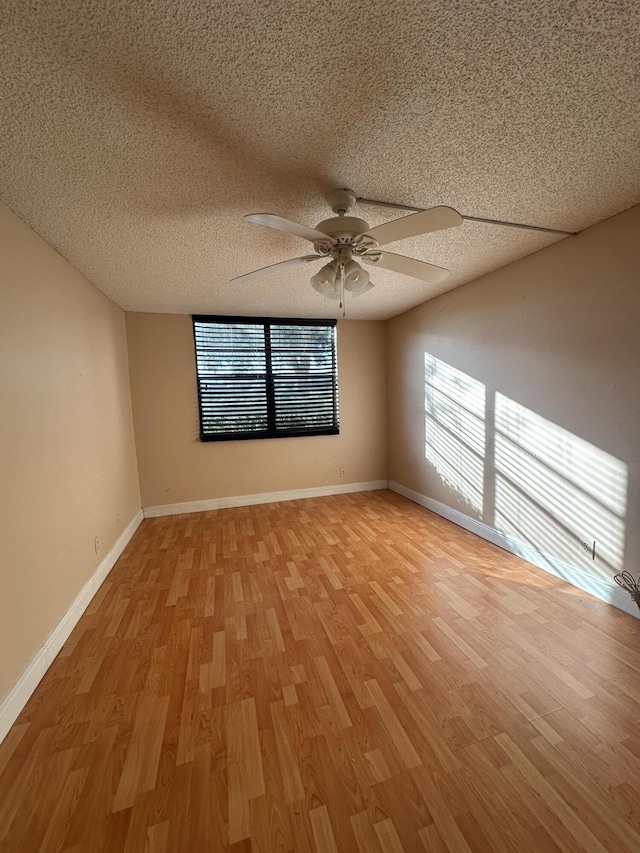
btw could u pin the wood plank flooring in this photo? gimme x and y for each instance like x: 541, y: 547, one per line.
x: 348, y: 673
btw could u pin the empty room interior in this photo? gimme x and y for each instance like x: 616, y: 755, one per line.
x: 299, y: 554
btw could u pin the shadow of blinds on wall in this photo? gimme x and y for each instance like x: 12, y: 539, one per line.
x: 556, y: 490
x: 455, y: 429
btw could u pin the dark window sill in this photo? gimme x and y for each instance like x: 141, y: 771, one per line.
x: 247, y: 436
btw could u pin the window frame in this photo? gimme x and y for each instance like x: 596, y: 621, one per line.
x: 271, y: 432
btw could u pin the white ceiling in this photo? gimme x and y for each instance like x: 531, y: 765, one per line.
x: 135, y: 135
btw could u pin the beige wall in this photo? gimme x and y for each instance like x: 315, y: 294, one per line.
x: 548, y: 348
x: 66, y: 438
x: 175, y: 466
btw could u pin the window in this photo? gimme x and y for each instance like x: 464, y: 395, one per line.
x: 265, y: 378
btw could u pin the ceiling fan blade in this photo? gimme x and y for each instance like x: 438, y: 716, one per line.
x: 282, y: 224
x: 292, y: 262
x: 407, y: 266
x: 434, y: 219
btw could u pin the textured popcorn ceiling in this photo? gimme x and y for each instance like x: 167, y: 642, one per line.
x: 135, y: 135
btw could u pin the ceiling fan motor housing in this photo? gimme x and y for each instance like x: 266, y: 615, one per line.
x: 345, y: 230
x: 339, y: 226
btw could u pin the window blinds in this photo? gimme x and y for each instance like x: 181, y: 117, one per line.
x: 265, y: 378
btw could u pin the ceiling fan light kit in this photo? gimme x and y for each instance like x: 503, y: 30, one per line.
x: 356, y: 278
x: 353, y: 278
x: 347, y: 239
x: 324, y: 282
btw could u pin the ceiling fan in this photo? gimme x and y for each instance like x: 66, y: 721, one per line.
x: 344, y: 240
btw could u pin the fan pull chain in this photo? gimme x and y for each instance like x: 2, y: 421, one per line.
x: 342, y: 305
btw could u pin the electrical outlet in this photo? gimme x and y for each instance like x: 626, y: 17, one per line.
x: 118, y: 519
x: 342, y: 474
x: 589, y: 547
x: 96, y: 544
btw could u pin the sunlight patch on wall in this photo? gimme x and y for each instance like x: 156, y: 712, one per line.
x: 554, y: 490
x: 455, y: 428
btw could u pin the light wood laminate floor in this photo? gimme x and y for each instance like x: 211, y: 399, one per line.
x: 348, y: 673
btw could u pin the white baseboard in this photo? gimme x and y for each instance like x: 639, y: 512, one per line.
x: 262, y: 498
x: 601, y: 588
x: 17, y: 697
